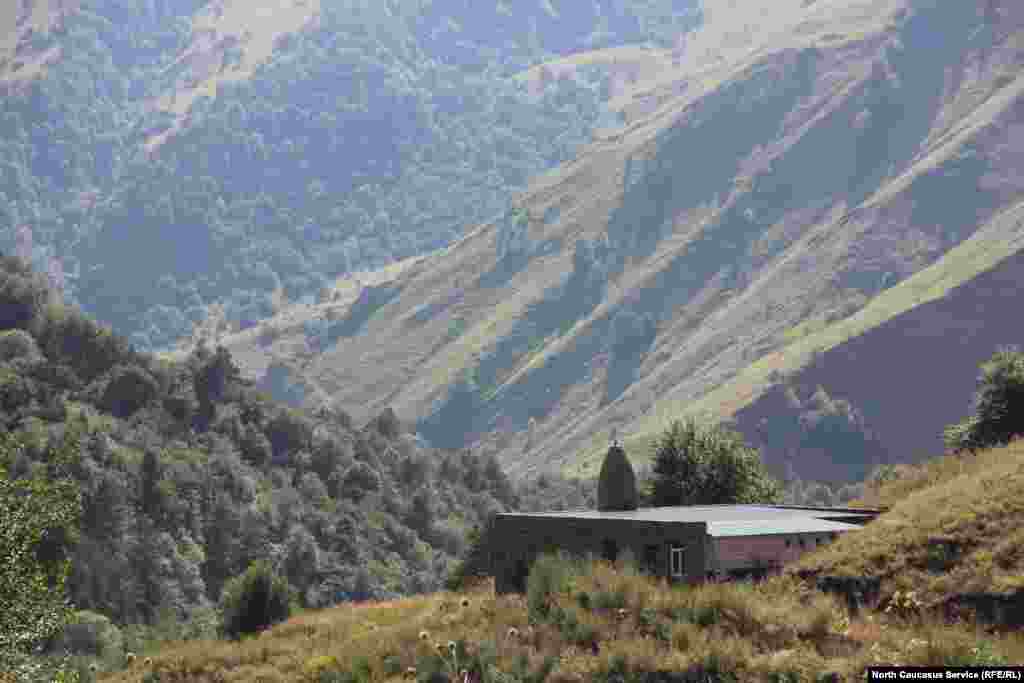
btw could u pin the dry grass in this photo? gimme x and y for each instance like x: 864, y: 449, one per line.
x: 780, y: 626
x: 956, y: 525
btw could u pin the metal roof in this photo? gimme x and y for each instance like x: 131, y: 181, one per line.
x: 730, y: 520
x: 702, y: 513
x: 799, y: 525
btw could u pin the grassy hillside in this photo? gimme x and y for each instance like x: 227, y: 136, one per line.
x: 944, y: 536
x: 954, y: 527
x: 598, y: 623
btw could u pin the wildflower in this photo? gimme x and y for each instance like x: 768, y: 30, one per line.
x: 451, y: 646
x: 621, y: 613
x: 93, y: 667
x: 440, y: 648
x: 130, y: 658
x: 424, y: 635
x: 513, y: 632
x: 465, y: 602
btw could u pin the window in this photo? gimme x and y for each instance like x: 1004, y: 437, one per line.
x: 610, y: 550
x: 677, y: 562
x: 801, y: 542
x: 788, y: 542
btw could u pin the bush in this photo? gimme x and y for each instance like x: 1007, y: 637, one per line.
x: 254, y: 601
x: 129, y: 389
x: 549, y: 575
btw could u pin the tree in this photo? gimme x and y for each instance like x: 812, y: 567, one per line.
x: 130, y: 388
x: 211, y: 382
x: 696, y: 465
x: 998, y: 405
x: 254, y: 601
x: 38, y: 519
x: 616, y: 485
x: 359, y: 480
x: 474, y: 563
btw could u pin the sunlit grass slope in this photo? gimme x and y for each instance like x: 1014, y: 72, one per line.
x: 956, y: 525
x: 588, y: 621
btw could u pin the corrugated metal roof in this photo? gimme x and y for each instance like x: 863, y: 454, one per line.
x: 764, y: 527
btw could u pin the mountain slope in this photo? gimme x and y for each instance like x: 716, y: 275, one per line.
x: 176, y: 156
x: 776, y: 186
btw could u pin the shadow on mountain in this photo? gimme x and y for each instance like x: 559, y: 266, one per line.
x: 370, y: 300
x: 899, y: 377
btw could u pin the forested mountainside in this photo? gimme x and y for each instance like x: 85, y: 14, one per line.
x: 802, y: 174
x: 188, y: 473
x: 159, y: 157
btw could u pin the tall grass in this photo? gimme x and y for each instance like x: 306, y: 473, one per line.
x: 581, y: 621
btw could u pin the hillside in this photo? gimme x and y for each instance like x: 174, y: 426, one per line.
x: 188, y: 474
x: 967, y: 324
x: 777, y: 193
x: 161, y: 159
x: 952, y: 535
x: 942, y: 555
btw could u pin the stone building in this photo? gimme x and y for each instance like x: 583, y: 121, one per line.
x: 684, y: 543
x: 680, y: 543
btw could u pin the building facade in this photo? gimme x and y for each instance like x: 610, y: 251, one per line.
x: 681, y: 544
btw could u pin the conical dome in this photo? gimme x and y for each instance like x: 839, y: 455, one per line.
x: 616, y: 487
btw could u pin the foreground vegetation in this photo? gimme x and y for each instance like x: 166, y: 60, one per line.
x: 173, y: 478
x: 583, y: 621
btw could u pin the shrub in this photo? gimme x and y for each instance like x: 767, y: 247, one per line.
x: 610, y: 599
x: 255, y: 601
x: 321, y: 664
x: 549, y: 575
x: 88, y: 633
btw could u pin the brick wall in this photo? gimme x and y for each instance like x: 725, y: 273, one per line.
x: 746, y: 551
